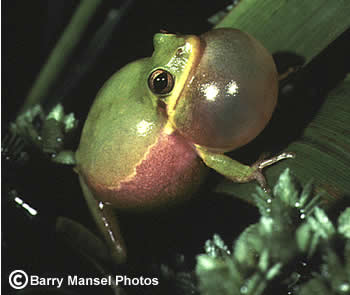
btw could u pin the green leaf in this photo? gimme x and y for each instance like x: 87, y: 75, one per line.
x: 286, y: 190
x: 335, y: 272
x: 344, y: 223
x: 301, y: 27
x: 306, y: 239
x: 248, y: 246
x: 216, y: 248
x: 314, y: 287
x: 321, y: 224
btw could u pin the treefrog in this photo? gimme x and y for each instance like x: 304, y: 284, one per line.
x: 160, y: 122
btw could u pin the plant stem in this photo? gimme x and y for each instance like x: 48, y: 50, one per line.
x: 61, y: 53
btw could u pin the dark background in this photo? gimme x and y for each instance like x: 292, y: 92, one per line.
x: 172, y: 238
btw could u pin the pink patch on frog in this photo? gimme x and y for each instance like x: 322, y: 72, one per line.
x: 171, y: 171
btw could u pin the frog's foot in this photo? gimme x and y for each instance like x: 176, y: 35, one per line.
x: 259, y: 165
x: 48, y: 132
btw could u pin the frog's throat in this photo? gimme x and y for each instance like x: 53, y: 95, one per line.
x: 195, y: 47
x: 133, y: 174
x: 115, y: 185
x: 170, y: 168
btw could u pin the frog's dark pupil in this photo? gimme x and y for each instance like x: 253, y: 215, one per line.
x: 161, y: 82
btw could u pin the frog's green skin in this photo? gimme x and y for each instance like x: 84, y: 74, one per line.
x: 140, y: 150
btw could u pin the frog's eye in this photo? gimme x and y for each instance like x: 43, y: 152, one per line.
x: 161, y: 81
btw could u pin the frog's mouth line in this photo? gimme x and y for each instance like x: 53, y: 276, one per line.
x: 195, y: 47
x: 162, y: 106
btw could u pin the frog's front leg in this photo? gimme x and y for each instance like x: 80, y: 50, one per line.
x: 237, y: 171
x: 107, y: 222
